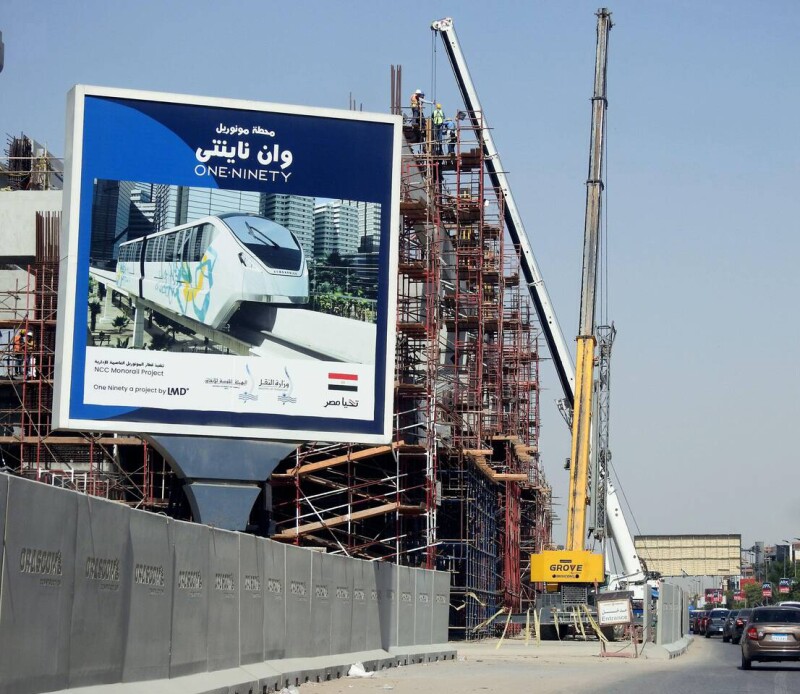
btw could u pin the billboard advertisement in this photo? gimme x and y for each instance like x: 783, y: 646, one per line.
x: 713, y: 596
x: 228, y: 268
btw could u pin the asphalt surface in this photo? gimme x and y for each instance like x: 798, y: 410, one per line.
x: 711, y: 667
x: 708, y: 667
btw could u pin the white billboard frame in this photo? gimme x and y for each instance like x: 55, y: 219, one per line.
x: 70, y: 402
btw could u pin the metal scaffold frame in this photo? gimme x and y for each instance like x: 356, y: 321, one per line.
x: 88, y: 463
x: 461, y: 487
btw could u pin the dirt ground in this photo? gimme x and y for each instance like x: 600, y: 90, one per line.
x: 514, y: 668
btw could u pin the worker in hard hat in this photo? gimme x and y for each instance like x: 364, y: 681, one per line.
x: 449, y: 135
x: 23, y: 344
x: 417, y: 99
x: 438, y: 122
x: 30, y: 358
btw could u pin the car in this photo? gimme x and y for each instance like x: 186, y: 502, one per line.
x: 697, y: 615
x: 788, y: 603
x: 701, y: 624
x: 739, y: 624
x: 772, y: 633
x: 716, y: 621
x: 727, y: 629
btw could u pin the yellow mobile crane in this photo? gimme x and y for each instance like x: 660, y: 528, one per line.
x: 574, y: 564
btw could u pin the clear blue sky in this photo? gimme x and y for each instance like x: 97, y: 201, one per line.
x: 702, y: 206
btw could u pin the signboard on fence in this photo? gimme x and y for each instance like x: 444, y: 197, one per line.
x: 229, y: 268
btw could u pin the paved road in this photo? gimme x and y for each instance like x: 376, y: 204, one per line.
x: 714, y: 667
x: 709, y: 666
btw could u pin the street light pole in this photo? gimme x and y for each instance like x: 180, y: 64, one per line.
x: 794, y: 560
x: 789, y: 548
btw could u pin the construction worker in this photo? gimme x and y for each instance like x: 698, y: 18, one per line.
x: 438, y: 122
x: 449, y: 136
x: 30, y: 359
x: 19, y: 346
x: 417, y: 99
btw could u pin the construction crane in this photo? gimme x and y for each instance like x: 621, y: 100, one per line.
x: 516, y: 230
x: 574, y: 564
x: 578, y: 566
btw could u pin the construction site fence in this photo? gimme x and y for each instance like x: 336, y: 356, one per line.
x: 672, y: 614
x: 97, y: 593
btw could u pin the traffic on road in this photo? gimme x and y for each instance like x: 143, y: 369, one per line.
x: 765, y: 634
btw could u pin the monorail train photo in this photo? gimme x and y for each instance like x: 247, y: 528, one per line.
x: 208, y: 269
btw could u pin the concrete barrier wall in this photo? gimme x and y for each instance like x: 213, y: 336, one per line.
x: 36, y: 596
x: 147, y: 645
x: 670, y: 611
x: 276, y: 600
x: 101, y: 602
x: 298, y: 641
x: 95, y: 593
x: 252, y: 587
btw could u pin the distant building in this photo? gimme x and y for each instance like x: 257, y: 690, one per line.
x: 176, y: 205
x: 693, y: 555
x: 335, y: 229
x: 142, y: 212
x: 111, y: 205
x: 369, y: 225
x: 296, y: 213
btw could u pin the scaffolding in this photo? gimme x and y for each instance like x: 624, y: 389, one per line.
x: 461, y: 487
x: 122, y: 468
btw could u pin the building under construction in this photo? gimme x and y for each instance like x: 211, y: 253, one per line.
x: 122, y: 468
x: 460, y: 487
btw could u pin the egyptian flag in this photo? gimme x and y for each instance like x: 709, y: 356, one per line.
x: 340, y: 381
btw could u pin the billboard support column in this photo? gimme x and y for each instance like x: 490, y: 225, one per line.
x: 222, y: 475
x: 138, y: 326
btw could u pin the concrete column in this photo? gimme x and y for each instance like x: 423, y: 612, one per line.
x: 138, y: 326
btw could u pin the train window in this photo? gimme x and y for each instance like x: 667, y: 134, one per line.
x: 188, y: 244
x: 180, y: 241
x: 272, y: 244
x: 169, y: 251
x: 138, y: 255
x: 202, y: 239
x: 149, y: 251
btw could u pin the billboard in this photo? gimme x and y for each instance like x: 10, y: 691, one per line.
x: 713, y: 596
x: 228, y: 268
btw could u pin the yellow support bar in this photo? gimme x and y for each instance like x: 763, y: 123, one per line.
x: 581, y: 444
